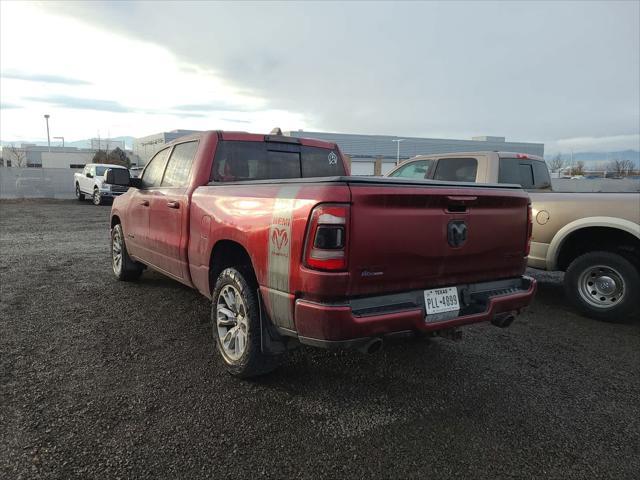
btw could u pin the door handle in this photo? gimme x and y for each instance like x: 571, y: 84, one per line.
x: 173, y: 204
x: 144, y: 203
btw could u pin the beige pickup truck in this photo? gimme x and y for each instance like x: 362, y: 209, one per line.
x: 593, y: 237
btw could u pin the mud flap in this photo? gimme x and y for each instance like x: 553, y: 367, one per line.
x: 271, y: 342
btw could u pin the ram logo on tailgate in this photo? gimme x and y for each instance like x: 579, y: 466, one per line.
x: 457, y: 233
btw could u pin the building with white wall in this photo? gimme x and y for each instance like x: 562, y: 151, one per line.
x: 35, y: 156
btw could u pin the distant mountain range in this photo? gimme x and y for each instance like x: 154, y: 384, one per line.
x: 128, y: 142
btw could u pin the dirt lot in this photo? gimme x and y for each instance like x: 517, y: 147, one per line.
x: 102, y: 379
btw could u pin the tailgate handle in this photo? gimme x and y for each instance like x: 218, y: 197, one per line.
x: 144, y: 203
x: 459, y: 204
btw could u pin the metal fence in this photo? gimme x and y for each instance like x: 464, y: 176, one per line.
x: 37, y: 182
x: 609, y: 185
x: 58, y: 183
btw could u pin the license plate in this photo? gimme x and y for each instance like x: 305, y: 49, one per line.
x: 440, y: 300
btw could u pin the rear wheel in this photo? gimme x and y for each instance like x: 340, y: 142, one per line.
x: 97, y: 198
x: 603, y: 285
x: 123, y: 266
x: 235, y: 316
x: 79, y: 194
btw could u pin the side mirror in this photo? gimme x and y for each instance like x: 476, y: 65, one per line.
x: 117, y: 176
x: 89, y: 175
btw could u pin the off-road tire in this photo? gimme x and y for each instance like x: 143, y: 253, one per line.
x: 127, y: 269
x: 79, y: 194
x: 622, y: 268
x: 253, y: 361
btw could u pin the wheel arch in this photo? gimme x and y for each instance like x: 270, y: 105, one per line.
x: 115, y: 220
x: 592, y: 233
x: 229, y: 253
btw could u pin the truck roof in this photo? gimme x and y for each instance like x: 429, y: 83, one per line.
x: 255, y: 137
x: 109, y: 165
x: 515, y: 155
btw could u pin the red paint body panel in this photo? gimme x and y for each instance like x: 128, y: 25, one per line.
x: 396, y: 240
x: 337, y: 323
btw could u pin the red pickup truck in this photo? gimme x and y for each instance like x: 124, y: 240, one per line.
x: 291, y: 250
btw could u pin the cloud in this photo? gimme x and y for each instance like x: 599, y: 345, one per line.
x: 531, y: 71
x: 43, y: 78
x: 7, y: 106
x: 82, y: 103
x: 213, y: 107
x: 234, y: 120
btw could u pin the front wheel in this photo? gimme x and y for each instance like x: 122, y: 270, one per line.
x: 235, y: 317
x: 79, y: 194
x: 97, y: 198
x: 123, y: 266
x: 603, y: 285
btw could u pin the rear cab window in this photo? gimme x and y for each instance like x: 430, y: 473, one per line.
x: 456, y: 169
x: 529, y: 173
x: 245, y: 160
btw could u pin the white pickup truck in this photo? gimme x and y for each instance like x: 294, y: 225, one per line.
x: 90, y: 182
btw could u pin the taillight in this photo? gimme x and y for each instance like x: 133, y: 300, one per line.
x: 529, y: 230
x: 326, y: 243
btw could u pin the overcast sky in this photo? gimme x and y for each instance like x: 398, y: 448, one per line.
x: 566, y: 74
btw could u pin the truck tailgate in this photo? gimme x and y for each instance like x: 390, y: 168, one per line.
x: 409, y: 236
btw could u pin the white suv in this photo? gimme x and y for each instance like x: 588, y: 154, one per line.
x: 91, y: 182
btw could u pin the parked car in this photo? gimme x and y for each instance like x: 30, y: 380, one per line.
x: 91, y: 182
x: 593, y: 237
x: 291, y: 251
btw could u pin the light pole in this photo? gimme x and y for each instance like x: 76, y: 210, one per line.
x: 398, y: 154
x: 60, y: 138
x: 46, y: 118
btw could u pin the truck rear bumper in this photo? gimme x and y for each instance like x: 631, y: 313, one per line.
x: 352, y: 323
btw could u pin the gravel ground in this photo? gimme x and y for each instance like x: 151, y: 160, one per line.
x: 103, y: 379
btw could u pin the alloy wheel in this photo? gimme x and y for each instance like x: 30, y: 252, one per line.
x: 231, y: 322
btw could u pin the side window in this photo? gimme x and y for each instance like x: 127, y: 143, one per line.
x: 417, y: 170
x: 456, y: 169
x: 92, y: 170
x: 152, y: 174
x: 179, y: 166
x: 85, y: 170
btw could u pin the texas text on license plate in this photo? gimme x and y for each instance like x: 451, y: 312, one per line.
x: 440, y: 300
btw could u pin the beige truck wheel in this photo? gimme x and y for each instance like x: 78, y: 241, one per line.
x: 603, y: 285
